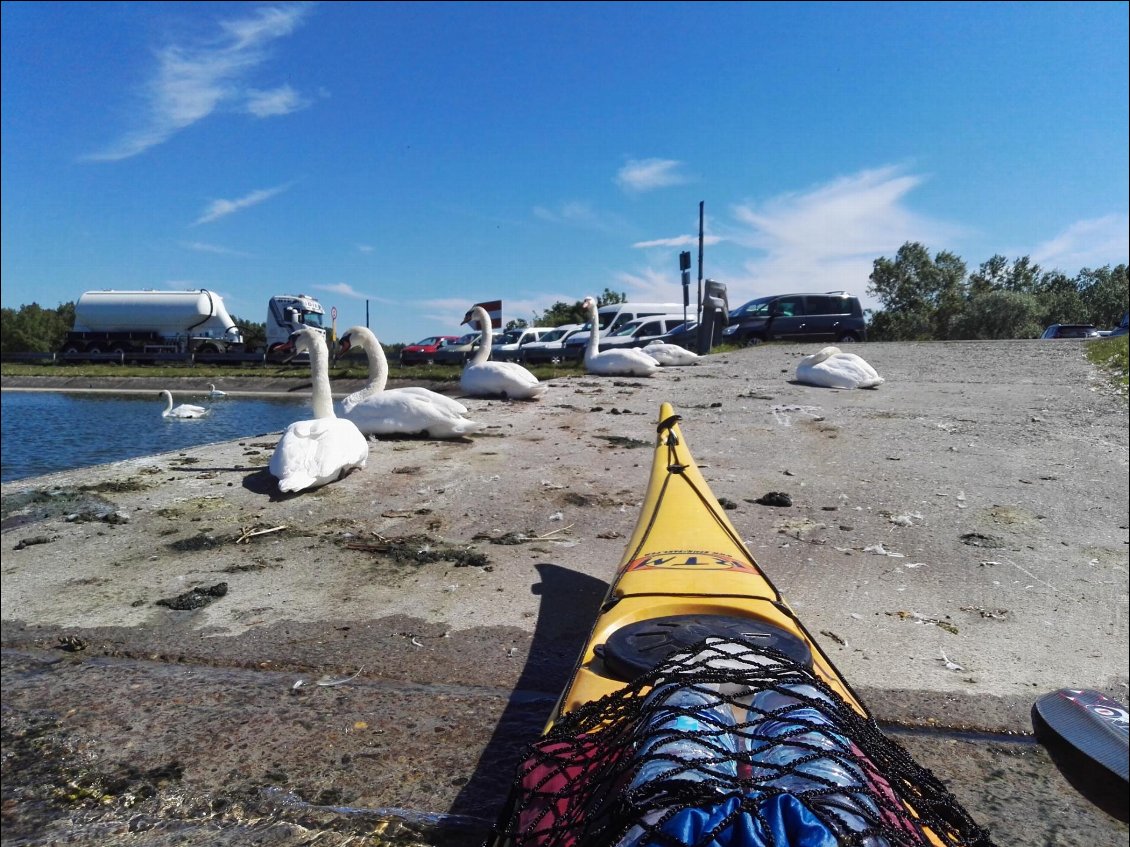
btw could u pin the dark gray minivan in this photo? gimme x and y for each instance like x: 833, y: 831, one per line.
x: 834, y: 316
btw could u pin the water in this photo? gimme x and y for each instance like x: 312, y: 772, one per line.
x: 47, y: 431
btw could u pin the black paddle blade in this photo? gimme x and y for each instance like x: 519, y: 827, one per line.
x: 1081, y: 728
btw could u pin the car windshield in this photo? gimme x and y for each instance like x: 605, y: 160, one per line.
x: 511, y: 336
x: 628, y: 328
x: 312, y: 318
x: 754, y: 308
x: 553, y: 335
x: 469, y: 338
x: 427, y: 342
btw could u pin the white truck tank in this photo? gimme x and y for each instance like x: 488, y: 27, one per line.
x: 199, y: 313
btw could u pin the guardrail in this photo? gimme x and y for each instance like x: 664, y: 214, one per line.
x: 139, y: 358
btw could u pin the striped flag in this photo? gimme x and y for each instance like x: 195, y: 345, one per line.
x: 494, y: 309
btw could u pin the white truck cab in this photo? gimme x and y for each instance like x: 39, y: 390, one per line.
x: 288, y: 313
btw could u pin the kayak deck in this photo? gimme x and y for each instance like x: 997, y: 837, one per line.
x: 685, y: 558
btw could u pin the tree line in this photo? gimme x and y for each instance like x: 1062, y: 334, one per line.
x: 928, y: 298
x: 922, y: 297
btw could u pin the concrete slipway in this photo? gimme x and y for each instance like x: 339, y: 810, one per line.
x: 958, y: 539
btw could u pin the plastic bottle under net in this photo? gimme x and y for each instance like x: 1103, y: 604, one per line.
x: 793, y: 746
x: 689, y: 737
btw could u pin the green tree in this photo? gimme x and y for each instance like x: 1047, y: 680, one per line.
x: 997, y: 313
x: 1105, y: 294
x: 254, y: 334
x: 33, y: 329
x: 922, y: 297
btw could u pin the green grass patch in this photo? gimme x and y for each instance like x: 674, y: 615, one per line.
x: 1111, y: 355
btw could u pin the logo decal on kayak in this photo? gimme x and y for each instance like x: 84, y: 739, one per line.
x: 691, y: 560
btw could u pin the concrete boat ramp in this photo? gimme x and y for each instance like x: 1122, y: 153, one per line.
x: 191, y: 658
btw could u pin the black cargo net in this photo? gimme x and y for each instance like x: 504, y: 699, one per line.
x: 733, y: 745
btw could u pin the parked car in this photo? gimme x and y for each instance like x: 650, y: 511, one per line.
x: 639, y: 332
x: 424, y: 352
x: 834, y: 316
x: 611, y: 317
x: 458, y: 351
x: 684, y: 335
x: 1123, y: 326
x: 1071, y: 331
x: 505, y: 347
x: 550, y: 347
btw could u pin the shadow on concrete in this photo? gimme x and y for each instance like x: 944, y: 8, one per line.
x: 569, y: 605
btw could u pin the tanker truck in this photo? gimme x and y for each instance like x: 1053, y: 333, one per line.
x: 152, y: 322
x: 183, y: 322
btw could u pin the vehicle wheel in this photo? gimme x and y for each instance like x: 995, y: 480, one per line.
x: 208, y: 349
x: 429, y: 361
x: 71, y: 350
x: 753, y: 340
x: 849, y: 338
x: 94, y: 350
x: 555, y: 360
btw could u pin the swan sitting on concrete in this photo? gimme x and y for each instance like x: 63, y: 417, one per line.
x: 315, y: 452
x: 185, y: 410
x: 833, y: 368
x: 671, y: 354
x: 364, y: 338
x: 625, y: 361
x: 482, y: 378
x: 402, y: 411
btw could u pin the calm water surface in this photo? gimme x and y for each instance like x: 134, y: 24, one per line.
x: 47, y: 431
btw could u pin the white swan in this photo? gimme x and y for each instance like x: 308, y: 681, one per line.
x: 833, y: 368
x: 482, y: 378
x: 185, y: 410
x: 399, y: 411
x: 315, y: 452
x: 624, y: 361
x: 215, y: 392
x: 671, y: 354
x: 378, y: 374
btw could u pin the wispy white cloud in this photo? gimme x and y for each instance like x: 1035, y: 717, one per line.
x: 1086, y: 244
x: 222, y: 208
x: 678, y: 241
x: 582, y: 216
x: 344, y: 289
x: 203, y: 247
x: 822, y: 239
x: 192, y: 81
x: 277, y: 101
x: 640, y: 175
x: 365, y: 248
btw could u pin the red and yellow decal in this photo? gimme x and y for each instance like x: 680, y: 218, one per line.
x: 695, y: 560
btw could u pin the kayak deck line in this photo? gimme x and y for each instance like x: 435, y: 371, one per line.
x: 701, y: 706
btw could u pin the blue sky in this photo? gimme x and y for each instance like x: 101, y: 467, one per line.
x: 420, y: 157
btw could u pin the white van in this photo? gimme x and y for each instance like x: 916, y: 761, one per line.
x: 640, y: 332
x: 548, y: 348
x: 505, y: 347
x: 613, y: 316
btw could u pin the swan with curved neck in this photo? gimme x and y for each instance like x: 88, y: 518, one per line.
x: 364, y: 338
x: 312, y: 453
x: 833, y: 368
x: 625, y: 361
x: 483, y: 378
x: 185, y: 410
x: 215, y: 392
x: 400, y: 411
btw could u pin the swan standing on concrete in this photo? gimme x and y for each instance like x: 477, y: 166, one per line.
x: 315, y: 452
x: 671, y: 354
x: 833, y: 368
x: 185, y: 410
x: 215, y: 392
x: 378, y: 374
x: 401, y: 411
x: 482, y: 378
x: 624, y: 361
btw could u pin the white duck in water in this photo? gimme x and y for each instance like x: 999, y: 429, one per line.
x: 378, y: 373
x: 315, y: 452
x: 482, y: 378
x: 185, y: 410
x: 671, y: 354
x: 625, y: 361
x: 401, y: 411
x: 833, y: 368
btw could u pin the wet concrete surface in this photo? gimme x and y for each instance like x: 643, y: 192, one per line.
x: 347, y: 686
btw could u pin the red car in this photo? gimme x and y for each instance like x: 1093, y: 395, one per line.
x: 424, y: 352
